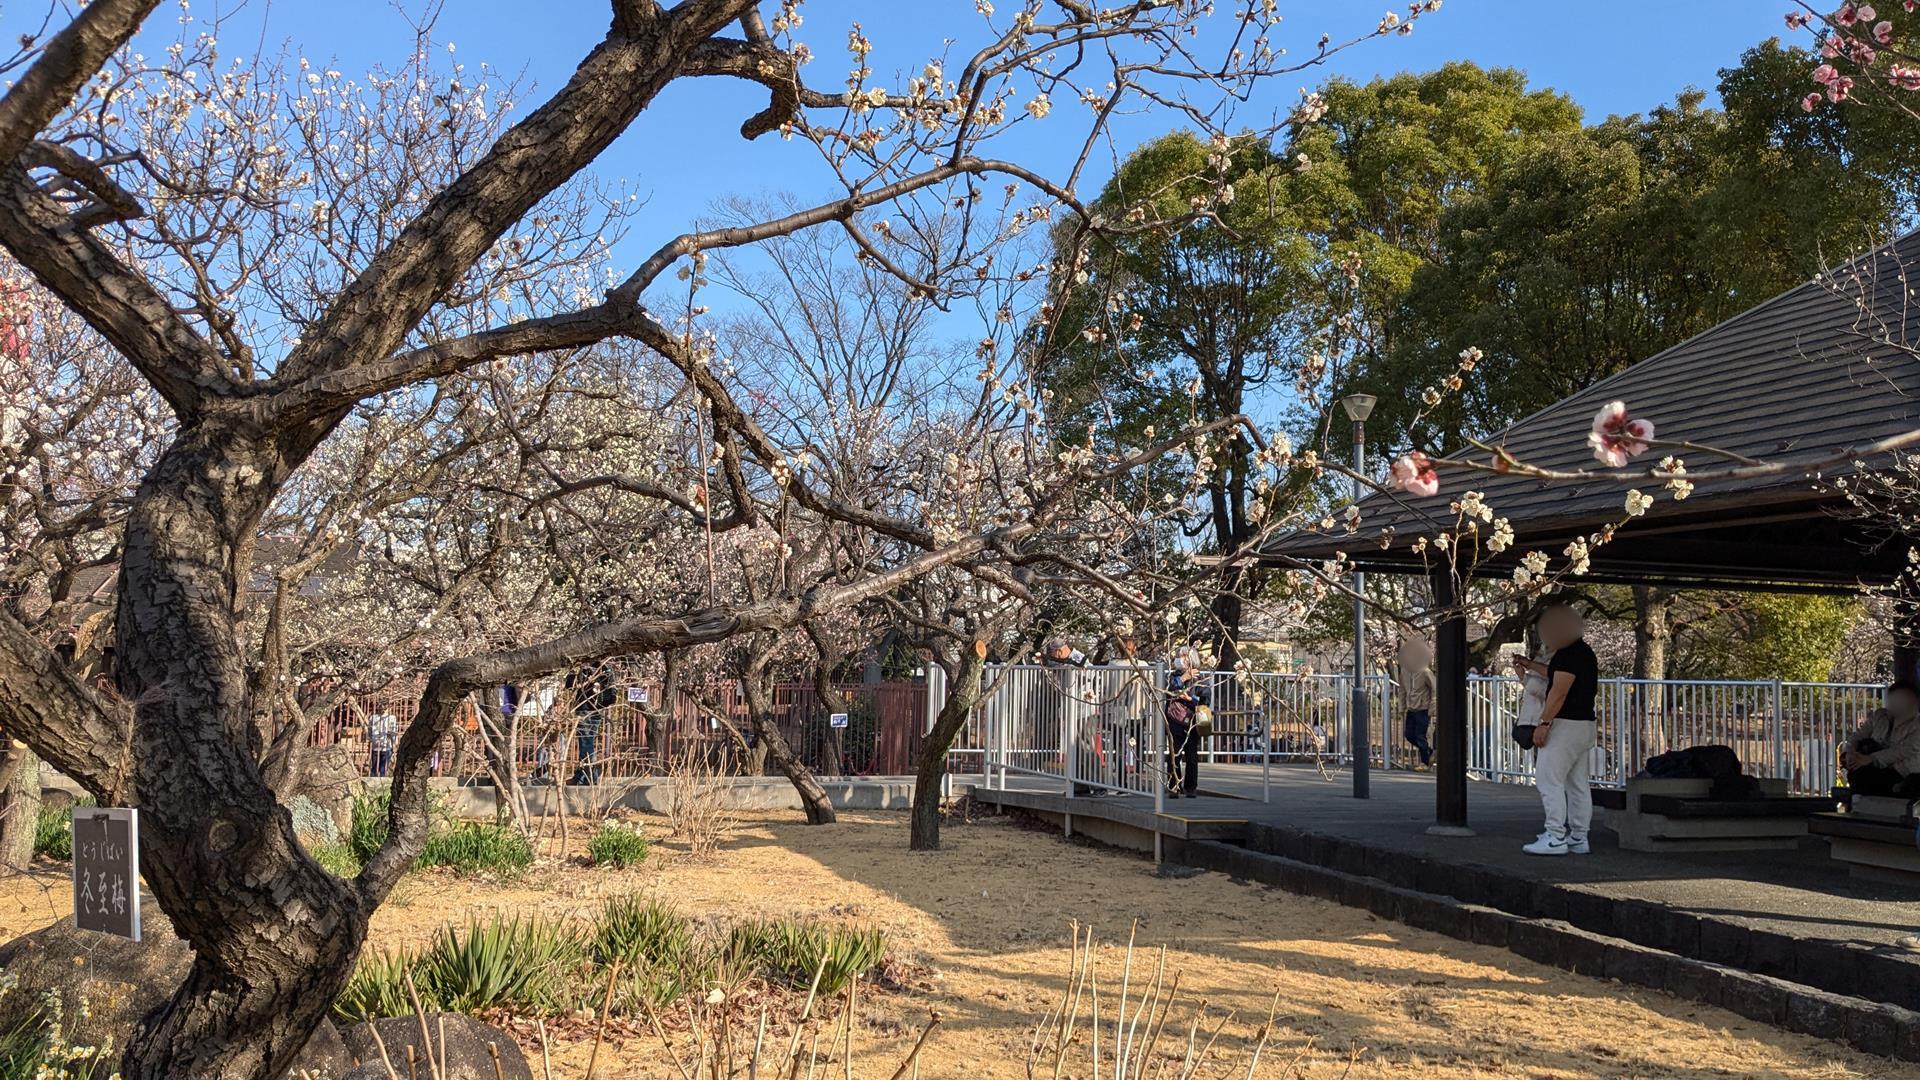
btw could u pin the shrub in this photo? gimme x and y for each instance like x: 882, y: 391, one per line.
x: 793, y: 951
x: 367, y: 829
x: 53, y: 833
x: 633, y: 930
x: 464, y: 846
x: 531, y: 963
x: 378, y: 988
x: 470, y: 847
x: 618, y: 845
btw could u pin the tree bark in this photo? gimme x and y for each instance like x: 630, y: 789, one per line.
x: 274, y: 936
x: 19, y: 803
x: 1652, y: 631
x: 963, y: 693
x: 813, y: 797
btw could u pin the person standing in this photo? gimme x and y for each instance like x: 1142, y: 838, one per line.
x: 1416, y: 684
x: 383, y: 730
x: 1069, y: 691
x: 1564, y: 736
x: 593, y: 695
x: 1187, y: 693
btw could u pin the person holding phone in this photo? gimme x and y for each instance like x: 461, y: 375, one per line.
x: 1565, y: 734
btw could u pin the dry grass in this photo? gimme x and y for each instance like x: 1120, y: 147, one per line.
x: 983, y: 928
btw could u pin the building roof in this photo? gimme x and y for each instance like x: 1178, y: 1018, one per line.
x: 1823, y: 367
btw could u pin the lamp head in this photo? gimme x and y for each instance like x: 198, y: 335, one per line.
x: 1358, y: 406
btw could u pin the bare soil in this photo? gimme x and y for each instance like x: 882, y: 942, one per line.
x: 981, y: 934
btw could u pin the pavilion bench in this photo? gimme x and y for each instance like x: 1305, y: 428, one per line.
x: 1661, y: 814
x: 1875, y: 838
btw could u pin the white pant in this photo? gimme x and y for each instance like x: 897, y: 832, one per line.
x: 1560, y: 770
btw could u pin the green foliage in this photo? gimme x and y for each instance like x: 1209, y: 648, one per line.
x: 531, y: 963
x: 793, y: 951
x: 378, y: 988
x: 53, y: 833
x: 618, y: 844
x: 336, y: 859
x: 465, y: 846
x: 367, y: 827
x: 471, y: 847
x: 1770, y: 636
x: 40, y: 1047
x: 1544, y: 263
x: 633, y: 930
x: 543, y: 966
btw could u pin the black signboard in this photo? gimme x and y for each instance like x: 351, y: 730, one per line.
x: 106, y: 870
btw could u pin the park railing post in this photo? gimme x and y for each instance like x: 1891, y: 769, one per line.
x: 1779, y: 732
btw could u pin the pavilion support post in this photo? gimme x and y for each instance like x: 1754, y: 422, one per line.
x: 1450, y: 709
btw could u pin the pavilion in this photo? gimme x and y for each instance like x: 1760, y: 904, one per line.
x: 1826, y: 368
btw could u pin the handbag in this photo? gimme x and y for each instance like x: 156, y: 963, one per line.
x: 1523, y: 734
x: 1202, y: 721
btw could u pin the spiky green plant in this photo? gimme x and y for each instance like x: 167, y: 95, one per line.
x: 526, y: 962
x: 378, y: 988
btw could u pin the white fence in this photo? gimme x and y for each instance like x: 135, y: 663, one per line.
x: 1100, y: 728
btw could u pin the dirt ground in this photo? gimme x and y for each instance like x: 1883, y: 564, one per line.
x: 983, y: 929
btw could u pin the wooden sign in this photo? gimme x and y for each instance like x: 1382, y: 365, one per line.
x: 106, y: 870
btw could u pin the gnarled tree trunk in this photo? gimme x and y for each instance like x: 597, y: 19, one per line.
x: 274, y: 936
x: 813, y: 797
x: 963, y: 693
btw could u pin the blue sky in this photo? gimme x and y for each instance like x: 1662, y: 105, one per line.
x: 1616, y: 56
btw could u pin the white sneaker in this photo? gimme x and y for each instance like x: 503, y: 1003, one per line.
x: 1548, y: 844
x: 1578, y: 847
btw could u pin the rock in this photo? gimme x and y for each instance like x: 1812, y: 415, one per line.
x: 58, y: 798
x: 466, y: 1048
x: 328, y: 777
x: 121, y: 981
x: 311, y: 822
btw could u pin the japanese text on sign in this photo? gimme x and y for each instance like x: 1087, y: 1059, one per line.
x: 106, y: 870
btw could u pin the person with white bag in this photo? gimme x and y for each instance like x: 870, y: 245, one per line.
x: 1565, y: 733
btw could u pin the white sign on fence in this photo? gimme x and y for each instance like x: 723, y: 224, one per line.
x: 106, y: 870
x: 636, y: 695
x: 838, y: 719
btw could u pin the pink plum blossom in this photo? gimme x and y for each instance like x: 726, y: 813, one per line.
x: 1906, y: 78
x: 1617, y: 437
x: 1883, y: 32
x: 1848, y: 14
x: 1825, y: 74
x: 1798, y: 19
x: 1840, y: 88
x: 1810, y: 102
x: 1414, y: 474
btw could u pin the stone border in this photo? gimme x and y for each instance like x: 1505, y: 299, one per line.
x: 1873, y: 1027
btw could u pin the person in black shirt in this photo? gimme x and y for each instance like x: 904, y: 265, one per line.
x: 1565, y: 736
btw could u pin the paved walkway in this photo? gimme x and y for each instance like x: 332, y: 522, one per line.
x: 1800, y: 893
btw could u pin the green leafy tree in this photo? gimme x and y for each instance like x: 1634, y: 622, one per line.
x: 1167, y: 327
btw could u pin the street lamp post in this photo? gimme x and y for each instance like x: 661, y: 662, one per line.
x: 1359, y: 407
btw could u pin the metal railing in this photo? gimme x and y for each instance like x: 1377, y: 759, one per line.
x: 1101, y: 728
